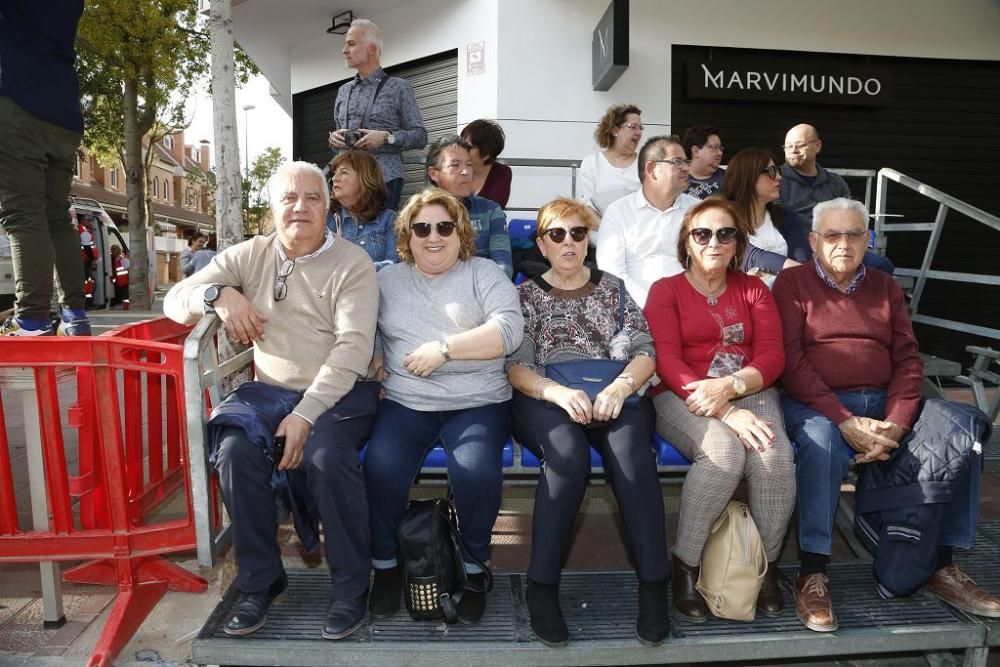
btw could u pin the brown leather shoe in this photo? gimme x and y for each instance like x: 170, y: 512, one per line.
x: 769, y: 600
x: 813, y: 605
x: 687, y: 600
x: 955, y: 587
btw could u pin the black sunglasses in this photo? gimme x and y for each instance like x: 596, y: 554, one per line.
x: 285, y: 270
x: 772, y: 171
x: 423, y: 229
x: 702, y: 235
x: 558, y: 234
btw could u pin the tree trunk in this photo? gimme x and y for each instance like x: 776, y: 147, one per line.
x: 135, y: 190
x: 229, y: 182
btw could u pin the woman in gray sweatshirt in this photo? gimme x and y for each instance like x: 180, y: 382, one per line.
x: 447, y: 319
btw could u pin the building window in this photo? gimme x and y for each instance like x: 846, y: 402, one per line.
x: 114, y: 177
x: 166, y: 189
x: 156, y: 187
x: 77, y: 165
x: 168, y: 141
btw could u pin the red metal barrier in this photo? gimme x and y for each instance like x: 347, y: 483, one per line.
x: 128, y: 465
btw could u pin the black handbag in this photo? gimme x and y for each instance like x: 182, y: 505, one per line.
x: 433, y: 561
x: 592, y: 376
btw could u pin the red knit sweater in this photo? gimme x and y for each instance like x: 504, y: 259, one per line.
x: 687, y: 332
x: 848, y: 342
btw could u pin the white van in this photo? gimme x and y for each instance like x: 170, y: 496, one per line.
x: 104, y: 233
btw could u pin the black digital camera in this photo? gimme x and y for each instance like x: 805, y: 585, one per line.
x: 351, y: 137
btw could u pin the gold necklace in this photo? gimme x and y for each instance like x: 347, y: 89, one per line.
x: 711, y: 298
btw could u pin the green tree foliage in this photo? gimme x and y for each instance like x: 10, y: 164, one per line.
x: 139, y: 62
x: 256, y: 198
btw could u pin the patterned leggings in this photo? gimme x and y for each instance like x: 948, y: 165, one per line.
x: 719, y: 462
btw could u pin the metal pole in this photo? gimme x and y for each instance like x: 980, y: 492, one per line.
x: 246, y: 139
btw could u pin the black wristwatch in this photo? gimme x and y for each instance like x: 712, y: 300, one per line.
x: 212, y: 295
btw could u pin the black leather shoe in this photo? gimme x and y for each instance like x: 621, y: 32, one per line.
x: 473, y: 603
x: 687, y: 600
x: 653, y: 623
x: 546, y: 617
x: 769, y: 600
x: 249, y: 612
x: 343, y: 617
x: 386, y: 588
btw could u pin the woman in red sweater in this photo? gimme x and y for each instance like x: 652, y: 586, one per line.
x: 719, y: 349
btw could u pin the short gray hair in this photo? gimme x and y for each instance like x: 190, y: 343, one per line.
x: 373, y: 35
x: 288, y: 170
x: 839, y: 204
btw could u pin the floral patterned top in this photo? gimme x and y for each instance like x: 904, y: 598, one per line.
x: 561, y: 325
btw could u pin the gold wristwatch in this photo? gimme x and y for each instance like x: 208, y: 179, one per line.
x: 739, y: 386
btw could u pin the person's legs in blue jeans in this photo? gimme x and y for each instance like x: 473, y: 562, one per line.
x: 395, y: 192
x: 821, y: 462
x: 399, y: 441
x: 473, y: 439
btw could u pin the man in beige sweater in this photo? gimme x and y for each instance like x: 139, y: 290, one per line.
x: 308, y: 303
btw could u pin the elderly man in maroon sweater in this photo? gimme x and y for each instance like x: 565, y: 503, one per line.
x: 852, y: 386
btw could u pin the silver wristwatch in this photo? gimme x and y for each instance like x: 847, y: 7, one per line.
x: 390, y: 138
x: 444, y: 350
x: 739, y: 386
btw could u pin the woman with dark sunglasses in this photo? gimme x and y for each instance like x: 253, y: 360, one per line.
x: 447, y: 320
x: 574, y: 312
x: 777, y: 236
x: 719, y: 350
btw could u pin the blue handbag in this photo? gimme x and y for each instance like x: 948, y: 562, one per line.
x: 592, y: 376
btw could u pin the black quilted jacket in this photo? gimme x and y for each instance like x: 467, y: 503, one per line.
x: 930, y: 460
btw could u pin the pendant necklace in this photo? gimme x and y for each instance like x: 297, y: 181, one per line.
x: 711, y: 298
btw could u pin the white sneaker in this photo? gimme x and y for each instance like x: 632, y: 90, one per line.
x: 13, y: 328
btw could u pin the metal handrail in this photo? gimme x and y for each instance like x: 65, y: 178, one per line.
x: 946, y: 203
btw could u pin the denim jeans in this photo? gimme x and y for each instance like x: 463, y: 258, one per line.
x: 395, y: 192
x: 473, y: 440
x: 822, y: 457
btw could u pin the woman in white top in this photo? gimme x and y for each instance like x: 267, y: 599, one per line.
x: 778, y: 238
x: 612, y: 173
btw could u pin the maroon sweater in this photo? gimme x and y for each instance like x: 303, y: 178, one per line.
x: 848, y: 342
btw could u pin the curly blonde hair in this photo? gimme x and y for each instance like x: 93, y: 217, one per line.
x: 456, y: 211
x: 604, y: 135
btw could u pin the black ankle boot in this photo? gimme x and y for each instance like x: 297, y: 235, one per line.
x: 386, y: 588
x: 473, y: 603
x: 769, y: 600
x: 653, y: 623
x: 546, y: 616
x: 687, y: 600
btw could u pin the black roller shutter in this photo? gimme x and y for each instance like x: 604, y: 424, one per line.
x: 435, y: 85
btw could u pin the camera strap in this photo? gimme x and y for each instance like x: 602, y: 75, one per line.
x: 368, y: 108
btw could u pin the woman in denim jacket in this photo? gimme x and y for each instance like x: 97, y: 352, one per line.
x: 358, y: 206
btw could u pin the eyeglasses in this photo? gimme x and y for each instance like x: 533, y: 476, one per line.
x: 558, y: 234
x: 772, y: 171
x: 676, y: 162
x: 634, y: 126
x: 423, y: 229
x: 285, y: 270
x: 713, y: 147
x: 702, y: 235
x: 801, y: 146
x: 852, y: 236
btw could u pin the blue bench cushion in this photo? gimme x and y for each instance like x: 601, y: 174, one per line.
x: 437, y: 458
x: 666, y: 455
x: 521, y: 228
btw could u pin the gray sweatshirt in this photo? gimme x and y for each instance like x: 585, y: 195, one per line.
x: 415, y: 309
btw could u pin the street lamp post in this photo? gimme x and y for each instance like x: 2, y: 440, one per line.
x: 246, y: 139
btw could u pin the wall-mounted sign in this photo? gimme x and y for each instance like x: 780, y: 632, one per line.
x: 738, y: 74
x: 475, y: 58
x: 609, y: 46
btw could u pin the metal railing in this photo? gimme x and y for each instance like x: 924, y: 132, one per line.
x: 946, y: 203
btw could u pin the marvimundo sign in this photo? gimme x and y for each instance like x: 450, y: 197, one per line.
x: 770, y: 80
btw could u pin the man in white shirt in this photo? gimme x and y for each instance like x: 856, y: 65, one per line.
x: 638, y: 234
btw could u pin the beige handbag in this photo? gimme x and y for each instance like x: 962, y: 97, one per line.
x: 733, y: 565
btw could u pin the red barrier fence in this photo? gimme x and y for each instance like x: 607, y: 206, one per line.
x: 123, y: 401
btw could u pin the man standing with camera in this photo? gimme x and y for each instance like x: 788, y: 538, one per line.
x: 376, y: 112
